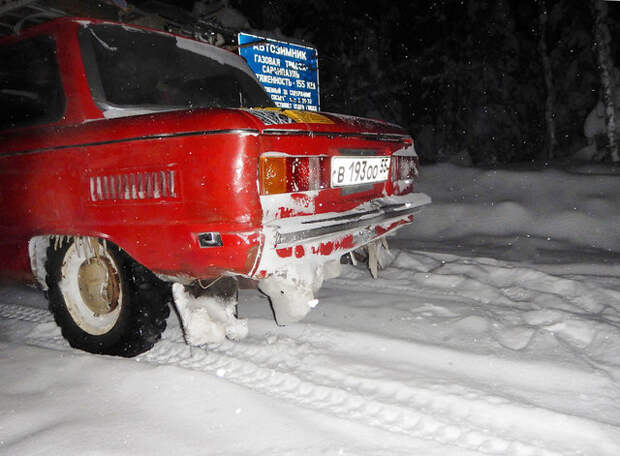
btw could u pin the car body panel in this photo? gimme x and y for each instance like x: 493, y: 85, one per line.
x: 151, y: 183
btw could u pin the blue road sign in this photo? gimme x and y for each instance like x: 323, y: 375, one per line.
x: 289, y: 72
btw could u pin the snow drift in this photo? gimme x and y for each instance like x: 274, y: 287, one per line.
x: 445, y: 354
x: 578, y: 208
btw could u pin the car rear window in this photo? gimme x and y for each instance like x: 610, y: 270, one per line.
x: 132, y: 67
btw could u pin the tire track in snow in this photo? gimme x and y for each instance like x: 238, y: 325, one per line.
x: 344, y: 401
x: 415, y: 412
x: 458, y: 415
x: 17, y: 312
x: 467, y: 408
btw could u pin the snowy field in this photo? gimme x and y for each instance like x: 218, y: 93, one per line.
x: 495, y: 331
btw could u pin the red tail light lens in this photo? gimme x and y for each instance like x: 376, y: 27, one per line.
x: 283, y: 174
x: 404, y: 167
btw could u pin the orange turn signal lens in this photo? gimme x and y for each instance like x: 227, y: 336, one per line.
x: 273, y: 175
x: 291, y: 174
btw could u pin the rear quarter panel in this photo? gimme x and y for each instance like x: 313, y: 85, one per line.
x: 47, y: 177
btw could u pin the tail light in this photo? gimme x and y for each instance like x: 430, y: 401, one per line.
x: 404, y: 167
x: 284, y: 174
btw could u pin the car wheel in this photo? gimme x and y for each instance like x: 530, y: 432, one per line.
x: 104, y: 301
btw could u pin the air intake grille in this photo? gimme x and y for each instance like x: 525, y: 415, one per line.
x: 134, y: 186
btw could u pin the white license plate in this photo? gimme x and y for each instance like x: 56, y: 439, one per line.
x: 359, y: 170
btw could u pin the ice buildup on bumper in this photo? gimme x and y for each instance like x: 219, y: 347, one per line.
x: 301, y: 252
x: 208, y: 318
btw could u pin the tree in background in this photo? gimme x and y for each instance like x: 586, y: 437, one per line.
x: 569, y: 40
x: 607, y: 72
x: 476, y: 82
x: 543, y: 20
x: 463, y: 77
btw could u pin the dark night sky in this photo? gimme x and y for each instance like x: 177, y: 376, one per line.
x: 463, y: 75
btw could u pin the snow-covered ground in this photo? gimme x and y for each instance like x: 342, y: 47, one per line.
x: 495, y: 331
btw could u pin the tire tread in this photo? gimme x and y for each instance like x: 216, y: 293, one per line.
x: 144, y: 313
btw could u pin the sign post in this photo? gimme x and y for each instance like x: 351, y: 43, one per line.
x: 289, y: 72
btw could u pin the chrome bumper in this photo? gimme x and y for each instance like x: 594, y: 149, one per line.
x: 376, y: 212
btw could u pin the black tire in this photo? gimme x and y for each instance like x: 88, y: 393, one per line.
x: 136, y: 311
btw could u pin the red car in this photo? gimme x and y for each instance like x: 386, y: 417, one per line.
x: 132, y: 158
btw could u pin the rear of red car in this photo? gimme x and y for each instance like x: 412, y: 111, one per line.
x: 167, y: 161
x: 328, y: 184
x: 332, y: 185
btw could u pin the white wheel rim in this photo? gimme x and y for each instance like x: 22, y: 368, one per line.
x: 85, y: 308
